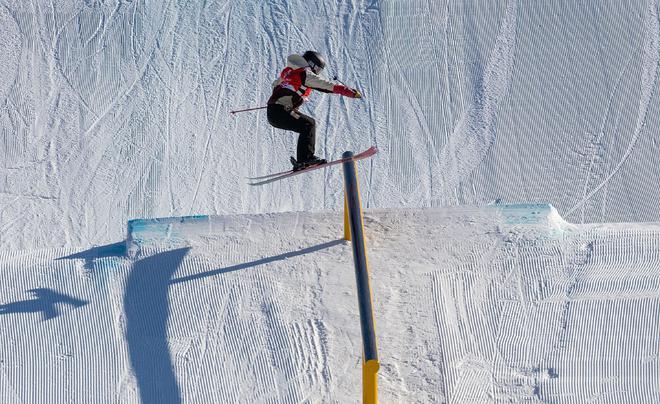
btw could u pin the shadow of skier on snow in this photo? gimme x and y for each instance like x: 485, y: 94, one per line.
x: 45, y: 302
x: 147, y: 312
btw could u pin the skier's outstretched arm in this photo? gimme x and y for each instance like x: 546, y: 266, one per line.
x: 317, y: 82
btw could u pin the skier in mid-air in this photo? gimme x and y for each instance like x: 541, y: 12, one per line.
x: 290, y: 90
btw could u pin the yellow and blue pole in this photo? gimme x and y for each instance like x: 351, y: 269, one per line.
x: 352, y: 201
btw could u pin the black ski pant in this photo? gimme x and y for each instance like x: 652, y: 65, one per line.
x: 300, y: 123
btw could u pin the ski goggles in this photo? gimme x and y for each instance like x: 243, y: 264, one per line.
x: 315, y: 68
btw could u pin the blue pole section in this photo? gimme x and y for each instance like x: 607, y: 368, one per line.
x: 360, y: 257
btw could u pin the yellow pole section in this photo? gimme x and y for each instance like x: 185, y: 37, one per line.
x: 370, y: 381
x: 347, y: 225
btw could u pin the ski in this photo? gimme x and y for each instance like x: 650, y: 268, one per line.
x: 266, y: 179
x: 269, y: 175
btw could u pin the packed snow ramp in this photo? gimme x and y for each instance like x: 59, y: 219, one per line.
x: 493, y: 304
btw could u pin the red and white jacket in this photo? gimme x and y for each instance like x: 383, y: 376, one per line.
x: 297, y: 81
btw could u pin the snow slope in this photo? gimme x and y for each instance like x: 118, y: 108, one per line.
x: 114, y: 109
x: 491, y: 304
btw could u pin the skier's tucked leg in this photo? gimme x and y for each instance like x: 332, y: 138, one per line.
x: 302, y: 124
x: 306, y: 139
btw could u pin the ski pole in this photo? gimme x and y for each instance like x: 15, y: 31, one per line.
x: 247, y: 109
x: 339, y: 81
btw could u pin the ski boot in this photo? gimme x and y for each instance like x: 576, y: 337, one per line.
x: 312, y: 161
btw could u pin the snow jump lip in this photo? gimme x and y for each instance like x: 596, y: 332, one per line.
x: 166, y: 230
x: 542, y: 216
x: 177, y: 231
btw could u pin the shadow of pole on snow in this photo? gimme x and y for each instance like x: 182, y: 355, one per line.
x: 262, y: 261
x: 147, y: 312
x: 91, y: 255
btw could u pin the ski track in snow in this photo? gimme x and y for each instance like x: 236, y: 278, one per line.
x: 474, y: 133
x: 120, y: 109
x: 113, y: 110
x: 650, y: 63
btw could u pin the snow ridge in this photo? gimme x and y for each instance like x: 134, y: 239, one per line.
x: 475, y: 131
x: 650, y: 63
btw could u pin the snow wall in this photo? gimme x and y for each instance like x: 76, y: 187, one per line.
x: 115, y: 110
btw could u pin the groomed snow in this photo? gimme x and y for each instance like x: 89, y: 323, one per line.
x: 473, y: 304
x: 113, y: 112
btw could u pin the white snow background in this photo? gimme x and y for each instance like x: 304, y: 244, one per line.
x: 117, y: 110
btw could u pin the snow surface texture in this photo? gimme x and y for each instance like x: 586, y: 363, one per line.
x: 114, y: 110
x: 493, y: 304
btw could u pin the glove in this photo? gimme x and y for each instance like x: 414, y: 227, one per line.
x: 346, y: 91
